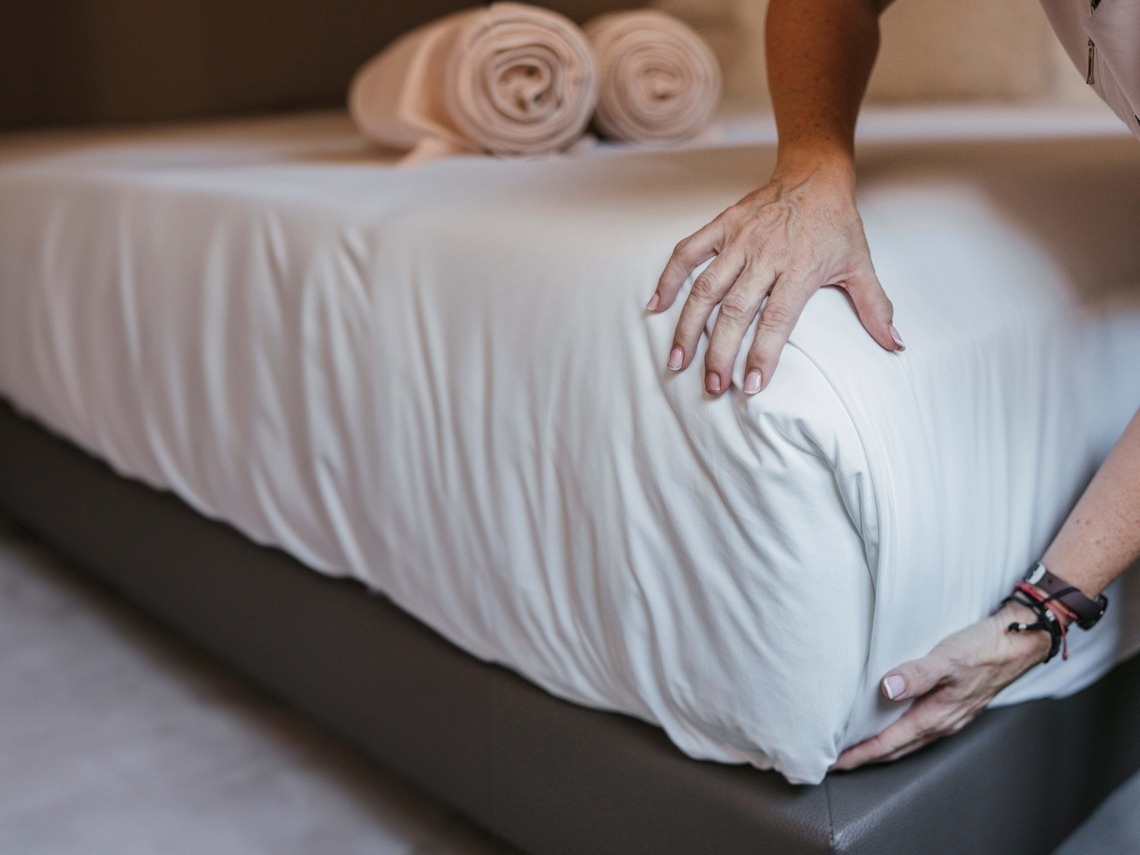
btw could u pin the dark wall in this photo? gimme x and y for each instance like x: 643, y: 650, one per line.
x: 82, y: 61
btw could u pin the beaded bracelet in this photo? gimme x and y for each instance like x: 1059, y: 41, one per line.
x: 1047, y: 621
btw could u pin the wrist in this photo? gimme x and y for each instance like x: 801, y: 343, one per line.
x: 1075, y: 569
x: 1062, y: 597
x: 818, y: 159
x: 1034, y: 646
x: 1063, y: 615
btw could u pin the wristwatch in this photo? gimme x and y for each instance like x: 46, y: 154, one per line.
x: 1088, y: 611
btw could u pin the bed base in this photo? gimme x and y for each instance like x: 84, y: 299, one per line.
x: 541, y: 773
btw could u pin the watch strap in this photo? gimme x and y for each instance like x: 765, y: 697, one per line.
x: 1088, y: 611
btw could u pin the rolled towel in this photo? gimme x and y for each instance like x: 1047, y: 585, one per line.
x: 659, y: 80
x: 503, y: 79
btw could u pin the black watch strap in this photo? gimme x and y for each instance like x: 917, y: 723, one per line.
x: 1088, y: 611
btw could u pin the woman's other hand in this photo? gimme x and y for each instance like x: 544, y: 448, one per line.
x: 952, y: 684
x: 783, y: 241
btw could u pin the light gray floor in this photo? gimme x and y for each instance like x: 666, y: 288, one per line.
x: 116, y: 739
x: 1113, y: 830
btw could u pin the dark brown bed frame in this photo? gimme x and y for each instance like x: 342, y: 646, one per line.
x: 543, y: 774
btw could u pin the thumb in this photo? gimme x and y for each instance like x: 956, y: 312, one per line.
x: 875, y: 310
x: 913, y: 679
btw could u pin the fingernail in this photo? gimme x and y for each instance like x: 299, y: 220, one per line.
x: 752, y: 382
x: 653, y: 301
x: 676, y: 356
x: 712, y: 382
x: 898, y: 338
x: 894, y: 686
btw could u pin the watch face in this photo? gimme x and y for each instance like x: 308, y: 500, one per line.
x: 1036, y: 574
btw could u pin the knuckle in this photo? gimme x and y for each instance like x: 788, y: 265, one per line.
x: 737, y: 308
x: 932, y: 731
x: 691, y: 326
x: 877, y: 297
x: 712, y: 363
x: 924, y: 671
x: 669, y: 277
x: 687, y: 332
x: 765, y: 358
x: 705, y: 287
x: 777, y: 316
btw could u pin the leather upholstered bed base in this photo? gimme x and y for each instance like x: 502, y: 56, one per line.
x: 543, y: 774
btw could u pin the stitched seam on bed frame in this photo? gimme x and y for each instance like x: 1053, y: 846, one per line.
x: 830, y: 820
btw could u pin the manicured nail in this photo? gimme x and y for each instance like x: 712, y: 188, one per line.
x: 653, y: 301
x: 894, y: 686
x: 752, y: 382
x: 898, y: 338
x: 676, y: 357
x: 712, y: 382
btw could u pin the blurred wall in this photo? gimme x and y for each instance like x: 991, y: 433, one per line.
x: 77, y: 61
x: 931, y: 50
x: 74, y: 61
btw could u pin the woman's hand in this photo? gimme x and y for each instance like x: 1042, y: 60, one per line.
x: 952, y: 684
x: 783, y: 241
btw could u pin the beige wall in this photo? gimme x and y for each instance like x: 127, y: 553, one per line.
x: 932, y: 50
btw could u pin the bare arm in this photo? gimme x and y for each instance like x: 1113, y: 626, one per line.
x: 802, y: 230
x: 819, y: 58
x: 1101, y: 537
x: 954, y: 682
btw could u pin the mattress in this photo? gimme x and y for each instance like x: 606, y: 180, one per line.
x: 441, y: 381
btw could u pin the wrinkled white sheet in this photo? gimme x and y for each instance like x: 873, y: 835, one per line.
x: 440, y: 380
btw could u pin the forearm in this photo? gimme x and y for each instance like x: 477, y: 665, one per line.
x: 767, y: 254
x: 1101, y: 537
x: 820, y: 54
x: 955, y: 681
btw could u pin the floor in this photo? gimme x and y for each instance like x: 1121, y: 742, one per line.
x: 116, y: 739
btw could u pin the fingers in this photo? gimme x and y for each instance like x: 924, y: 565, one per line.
x: 694, y: 250
x: 916, y: 678
x: 888, y: 744
x: 737, y: 311
x: 930, y: 719
x: 874, y: 308
x: 785, y: 305
x: 708, y: 290
x: 884, y: 748
x: 763, y: 245
x: 937, y: 712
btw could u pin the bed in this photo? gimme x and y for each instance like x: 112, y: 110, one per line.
x: 205, y: 309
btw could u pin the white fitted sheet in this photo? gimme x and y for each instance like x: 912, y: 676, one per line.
x: 441, y: 380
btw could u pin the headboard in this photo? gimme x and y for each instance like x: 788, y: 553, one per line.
x: 85, y: 61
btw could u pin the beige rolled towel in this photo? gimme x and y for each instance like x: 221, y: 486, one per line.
x: 502, y: 79
x: 659, y: 80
